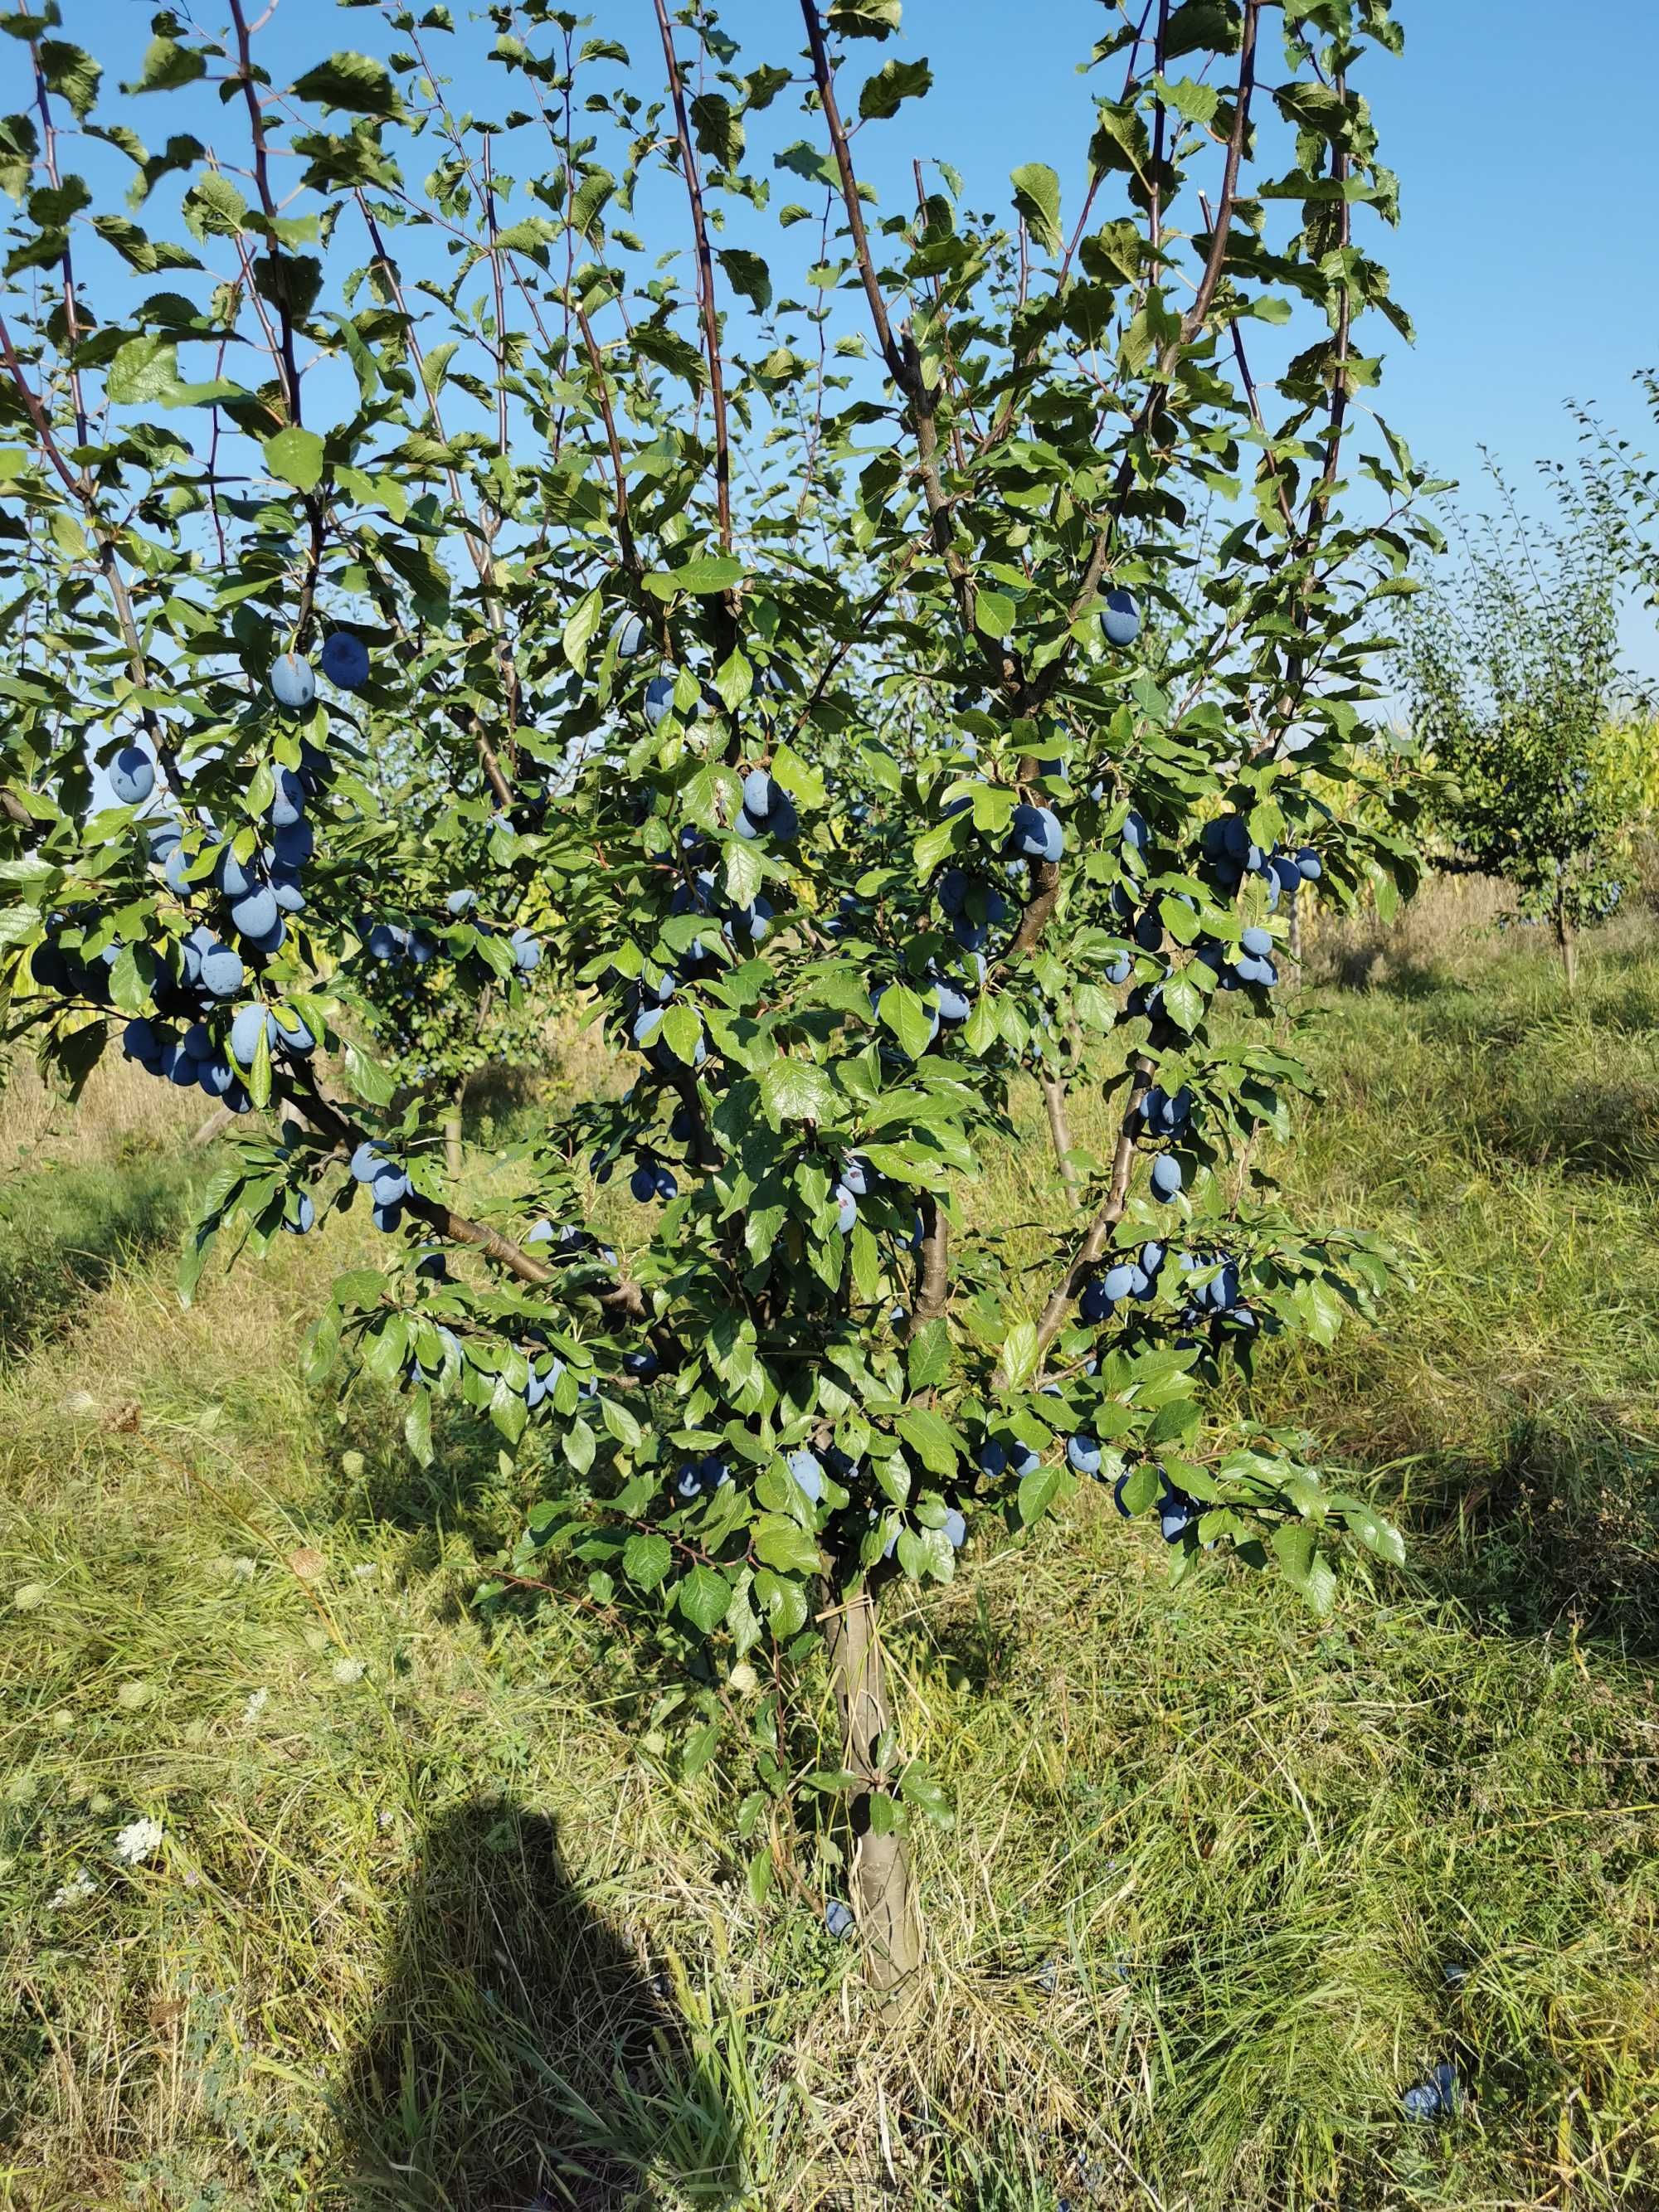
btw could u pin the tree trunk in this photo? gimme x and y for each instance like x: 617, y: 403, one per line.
x: 883, y: 1891
x: 1295, y: 944
x: 214, y: 1126
x: 1567, y: 938
x: 1053, y: 1097
x: 452, y: 1130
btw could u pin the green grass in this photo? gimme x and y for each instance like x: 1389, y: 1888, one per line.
x: 432, y: 1926
x: 65, y: 1230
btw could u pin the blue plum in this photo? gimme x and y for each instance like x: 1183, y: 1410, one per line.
x: 1034, y: 834
x: 255, y: 914
x: 807, y: 1471
x: 221, y: 971
x: 1122, y: 621
x: 345, y: 660
x: 132, y: 777
x: 292, y: 684
x: 1166, y: 1176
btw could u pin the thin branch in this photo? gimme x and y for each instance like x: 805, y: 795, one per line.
x: 1192, y: 322
x: 1088, y: 1253
x: 824, y: 77
x: 333, y: 1121
x: 711, y: 329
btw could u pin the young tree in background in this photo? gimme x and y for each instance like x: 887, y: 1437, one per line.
x: 807, y: 649
x: 1512, y: 673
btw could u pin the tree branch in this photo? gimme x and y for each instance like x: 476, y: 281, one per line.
x: 824, y: 78
x: 1090, y: 1251
x: 332, y: 1121
x: 711, y: 329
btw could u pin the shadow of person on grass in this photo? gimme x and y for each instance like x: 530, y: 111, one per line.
x: 521, y: 2058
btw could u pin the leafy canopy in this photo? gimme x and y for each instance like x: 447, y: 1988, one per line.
x: 862, y: 653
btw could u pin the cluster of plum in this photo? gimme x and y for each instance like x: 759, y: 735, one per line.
x: 406, y: 945
x: 387, y: 1182
x: 808, y: 1472
x: 1130, y: 1276
x: 1217, y: 1300
x: 179, y: 1041
x: 972, y: 907
x: 61, y: 968
x: 1231, y: 854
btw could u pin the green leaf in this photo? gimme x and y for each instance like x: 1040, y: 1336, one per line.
x: 213, y: 208
x: 165, y: 66
x: 417, y: 1426
x: 1142, y: 1486
x: 353, y: 83
x: 622, y: 1425
x: 581, y: 629
x: 144, y: 371
x: 296, y: 457
x: 1036, y: 195
x: 704, y: 1598
x: 892, y: 83
x: 796, y: 1090
x: 734, y: 679
x: 67, y: 535
x: 1183, y: 1002
x: 865, y: 19
x: 700, y: 1748
x: 368, y: 1078
x: 1019, y: 1354
x: 1304, y: 1566
x: 760, y: 1877
x: 1036, y: 1490
x: 918, y: 1787
x: 682, y: 1028
x: 785, y: 1546
x: 904, y: 1013
x: 71, y: 73
x: 783, y: 1601
x: 927, y: 1361
x: 797, y: 776
x: 743, y: 872
x: 748, y: 275
x: 994, y: 613
x: 930, y: 1438
x: 710, y: 572
x: 646, y: 1560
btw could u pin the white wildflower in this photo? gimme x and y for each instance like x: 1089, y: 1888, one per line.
x: 141, y: 1839
x: 347, y: 1671
x: 257, y: 1700
x: 75, y: 1891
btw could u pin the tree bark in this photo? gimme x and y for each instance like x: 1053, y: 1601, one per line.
x: 882, y: 1885
x: 1295, y: 946
x: 1053, y: 1097
x: 214, y: 1126
x: 1567, y: 938
x: 452, y: 1130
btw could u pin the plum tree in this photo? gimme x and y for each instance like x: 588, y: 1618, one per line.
x: 1512, y: 670
x: 804, y: 655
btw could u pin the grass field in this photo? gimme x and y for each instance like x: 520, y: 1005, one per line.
x: 429, y: 1924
